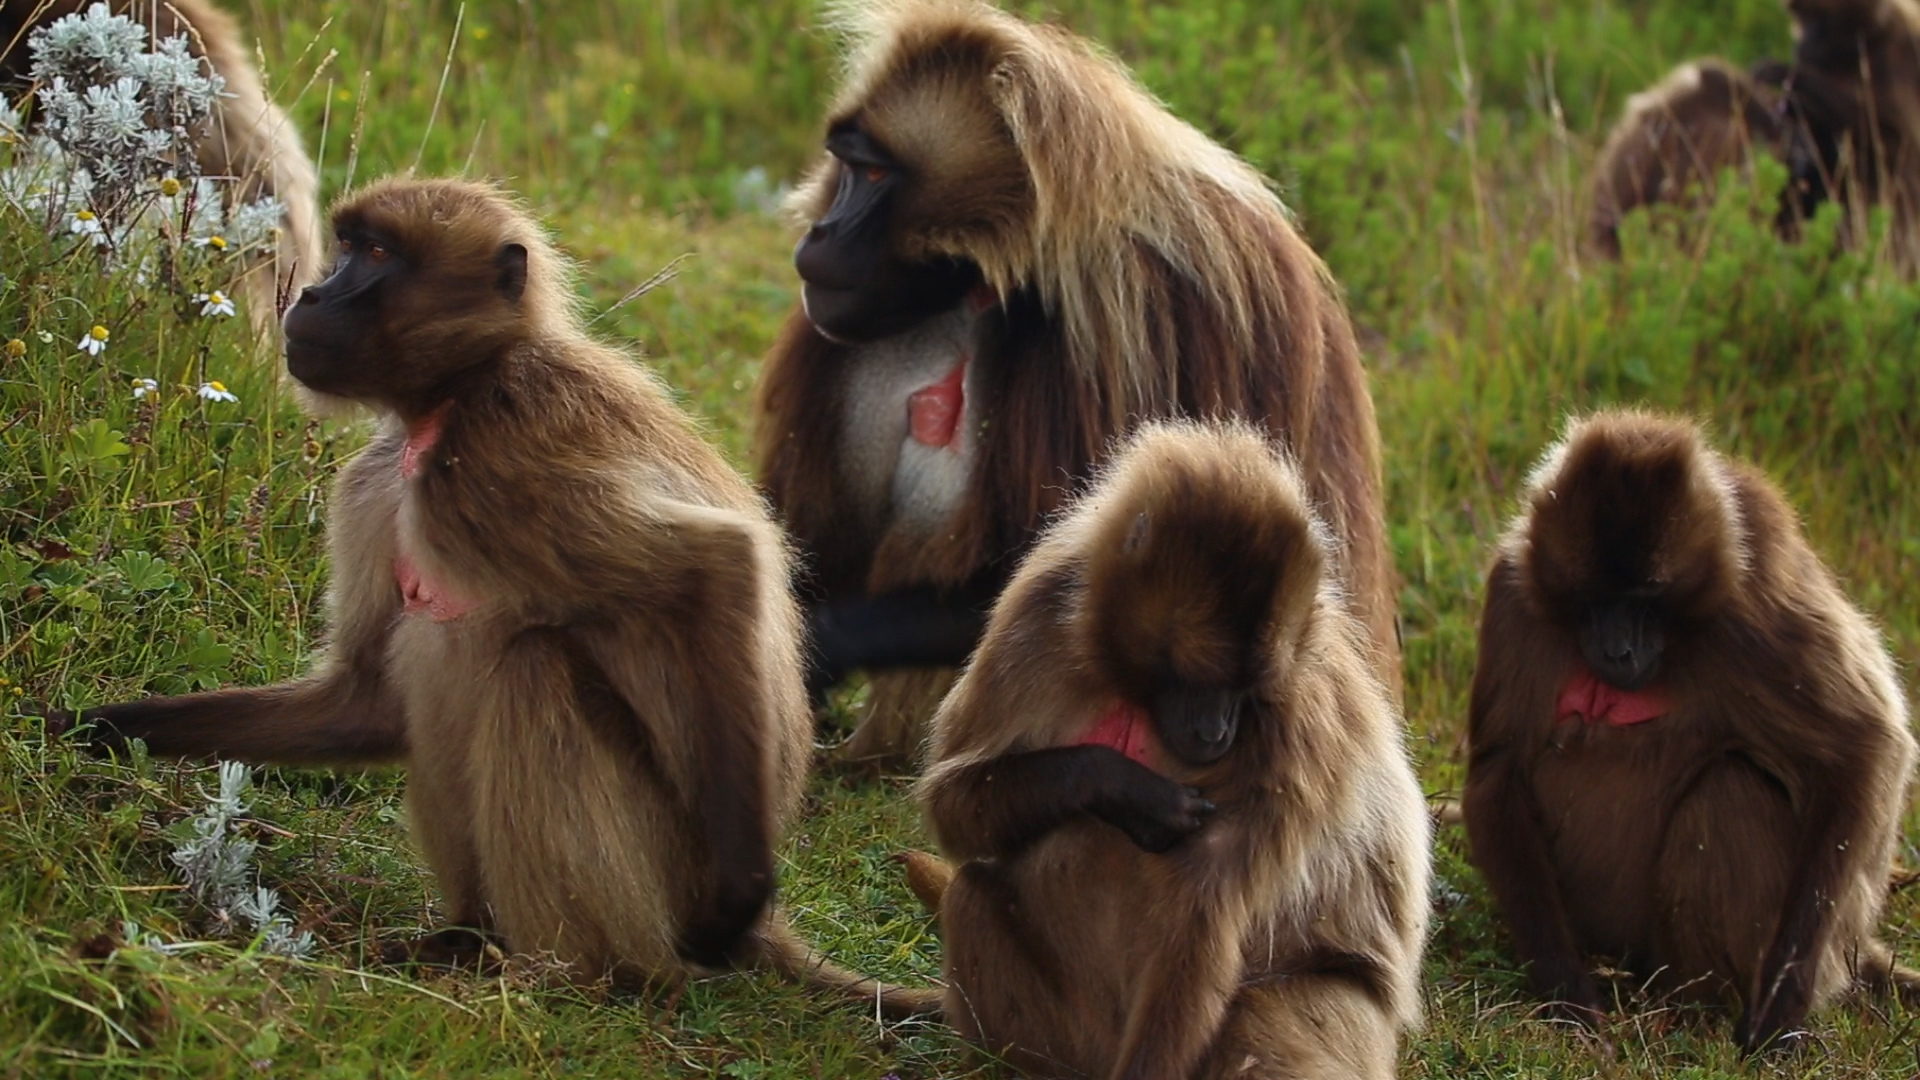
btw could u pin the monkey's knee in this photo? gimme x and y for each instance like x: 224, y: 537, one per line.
x: 1001, y: 974
x: 1308, y: 1027
x: 1722, y: 880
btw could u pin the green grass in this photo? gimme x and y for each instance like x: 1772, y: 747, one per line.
x: 1440, y: 173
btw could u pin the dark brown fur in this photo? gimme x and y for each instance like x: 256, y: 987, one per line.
x: 601, y: 753
x: 1677, y: 138
x: 1738, y: 845
x: 250, y: 140
x: 1281, y: 935
x: 1043, y: 163
x: 1856, y: 92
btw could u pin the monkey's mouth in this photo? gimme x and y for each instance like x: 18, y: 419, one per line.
x: 310, y: 362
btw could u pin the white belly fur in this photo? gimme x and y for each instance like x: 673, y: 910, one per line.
x: 900, y: 480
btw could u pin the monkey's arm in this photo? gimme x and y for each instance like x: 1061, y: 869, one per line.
x: 347, y: 711
x: 1840, y: 794
x: 996, y: 808
x: 1509, y: 844
x: 1181, y: 1001
x: 922, y: 627
x: 1510, y: 848
x: 346, y: 714
x: 711, y: 584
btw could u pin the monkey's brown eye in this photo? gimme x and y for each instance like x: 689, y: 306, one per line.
x: 376, y: 253
x: 875, y: 174
x: 346, y: 245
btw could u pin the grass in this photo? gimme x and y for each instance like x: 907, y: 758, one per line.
x: 1436, y: 153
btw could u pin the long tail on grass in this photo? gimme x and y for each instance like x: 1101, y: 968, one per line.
x: 928, y: 876
x: 1905, y: 983
x: 1899, y: 877
x: 786, y: 952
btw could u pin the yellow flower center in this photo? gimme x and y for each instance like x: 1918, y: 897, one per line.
x: 98, y: 333
x: 85, y: 215
x: 169, y: 187
x: 16, y: 348
x: 218, y: 243
x: 217, y: 297
x: 218, y: 386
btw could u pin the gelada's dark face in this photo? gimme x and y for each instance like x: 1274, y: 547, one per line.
x: 1197, y: 724
x: 1623, y: 640
x: 332, y: 331
x: 853, y: 287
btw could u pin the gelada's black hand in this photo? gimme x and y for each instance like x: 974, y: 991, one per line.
x: 1764, y: 1032
x: 1570, y: 991
x: 1156, y: 813
x: 1773, y: 1022
x: 720, y: 920
x: 831, y: 649
x: 1587, y: 1013
x: 58, y: 723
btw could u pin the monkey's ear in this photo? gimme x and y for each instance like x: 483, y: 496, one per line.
x: 512, y: 264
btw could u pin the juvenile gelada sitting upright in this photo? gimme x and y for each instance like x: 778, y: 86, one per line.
x: 1191, y: 842
x: 1689, y: 751
x: 550, y: 599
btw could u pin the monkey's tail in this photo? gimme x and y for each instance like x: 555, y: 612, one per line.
x: 928, y: 876
x: 1905, y: 983
x: 786, y: 952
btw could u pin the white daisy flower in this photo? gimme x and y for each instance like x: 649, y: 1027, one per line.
x: 214, y: 303
x: 86, y: 223
x: 94, y: 341
x: 216, y: 391
x: 216, y: 242
x: 143, y: 387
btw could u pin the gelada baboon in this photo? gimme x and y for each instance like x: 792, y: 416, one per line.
x: 551, y: 600
x: 1014, y: 255
x: 1689, y: 752
x: 1855, y: 92
x: 1190, y: 841
x: 1678, y: 136
x: 1844, y: 118
x: 249, y: 140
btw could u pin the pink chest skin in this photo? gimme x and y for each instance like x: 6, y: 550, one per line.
x: 421, y: 594
x: 934, y: 410
x: 1587, y: 697
x: 1126, y: 728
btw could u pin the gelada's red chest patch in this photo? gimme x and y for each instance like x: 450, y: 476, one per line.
x: 1586, y: 696
x: 422, y: 436
x: 934, y: 410
x: 1126, y: 728
x: 420, y: 594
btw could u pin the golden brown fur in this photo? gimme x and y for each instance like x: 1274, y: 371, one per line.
x: 1736, y: 845
x: 1676, y: 139
x: 602, y: 749
x: 1280, y: 939
x: 250, y: 140
x: 1136, y: 269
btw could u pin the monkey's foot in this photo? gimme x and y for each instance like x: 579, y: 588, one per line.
x: 928, y: 876
x: 455, y: 947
